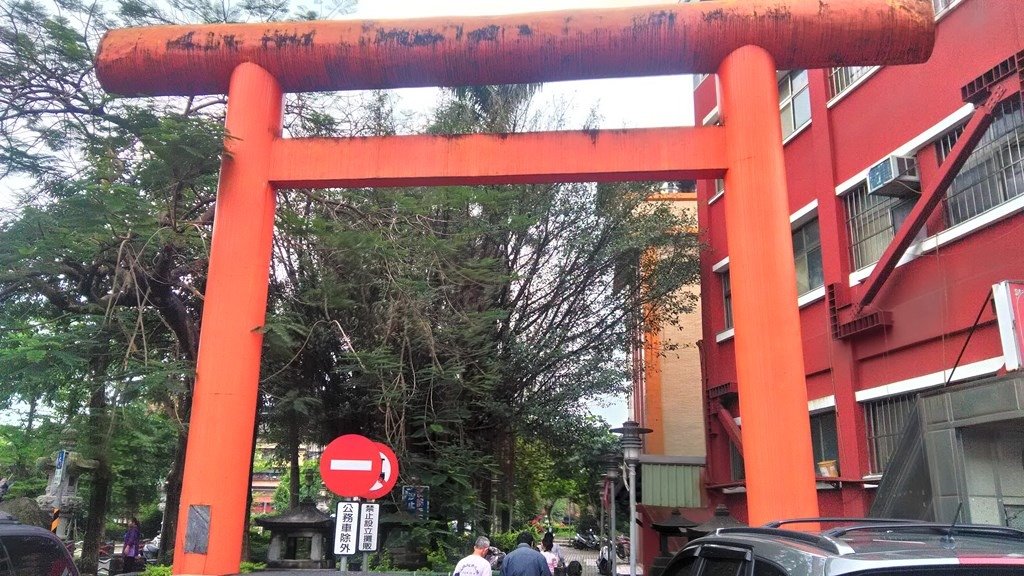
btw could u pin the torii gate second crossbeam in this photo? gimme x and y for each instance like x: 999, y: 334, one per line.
x: 743, y: 41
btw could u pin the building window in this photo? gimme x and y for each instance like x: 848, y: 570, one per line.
x: 736, y: 463
x: 886, y: 419
x: 794, y: 101
x: 727, y: 298
x: 824, y: 440
x: 807, y: 254
x: 941, y: 5
x: 994, y: 173
x: 839, y: 79
x: 871, y: 222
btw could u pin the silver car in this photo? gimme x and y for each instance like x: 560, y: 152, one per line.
x: 861, y: 547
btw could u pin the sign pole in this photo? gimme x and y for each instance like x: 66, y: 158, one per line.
x: 355, y: 467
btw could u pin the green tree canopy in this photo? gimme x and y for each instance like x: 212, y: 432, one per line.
x: 468, y: 327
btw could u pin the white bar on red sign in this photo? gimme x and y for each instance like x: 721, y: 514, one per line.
x: 338, y: 464
x: 368, y: 520
x: 346, y: 528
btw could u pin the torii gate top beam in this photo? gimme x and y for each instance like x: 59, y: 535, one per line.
x: 657, y: 39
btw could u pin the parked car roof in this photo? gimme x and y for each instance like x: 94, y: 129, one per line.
x: 858, y: 545
x: 32, y: 550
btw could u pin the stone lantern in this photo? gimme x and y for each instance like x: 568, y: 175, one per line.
x: 675, y: 525
x: 298, y: 538
x: 63, y: 471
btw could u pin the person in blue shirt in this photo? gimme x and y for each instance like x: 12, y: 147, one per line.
x: 525, y: 560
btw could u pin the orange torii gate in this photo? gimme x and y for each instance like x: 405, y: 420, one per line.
x: 743, y: 41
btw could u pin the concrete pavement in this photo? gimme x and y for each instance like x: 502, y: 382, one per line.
x: 587, y: 558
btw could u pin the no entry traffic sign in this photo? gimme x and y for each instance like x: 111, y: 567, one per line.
x: 388, y: 473
x: 350, y: 465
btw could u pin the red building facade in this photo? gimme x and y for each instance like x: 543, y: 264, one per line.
x: 931, y: 324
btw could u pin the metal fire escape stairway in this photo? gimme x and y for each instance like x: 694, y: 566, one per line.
x: 986, y: 92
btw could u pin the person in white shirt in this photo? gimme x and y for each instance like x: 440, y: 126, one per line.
x: 549, y: 556
x: 474, y: 564
x: 548, y: 541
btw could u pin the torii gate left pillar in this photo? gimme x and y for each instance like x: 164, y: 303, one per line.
x: 254, y: 63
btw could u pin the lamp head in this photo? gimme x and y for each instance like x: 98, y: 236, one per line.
x: 632, y: 440
x: 612, y: 462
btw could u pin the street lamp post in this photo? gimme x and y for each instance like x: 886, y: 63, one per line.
x: 632, y: 442
x: 613, y: 477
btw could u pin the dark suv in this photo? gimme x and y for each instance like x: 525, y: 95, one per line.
x: 32, y: 551
x: 861, y: 547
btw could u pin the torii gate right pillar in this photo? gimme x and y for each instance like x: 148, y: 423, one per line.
x: 769, y: 370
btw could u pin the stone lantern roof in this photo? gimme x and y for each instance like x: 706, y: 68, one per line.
x: 721, y: 519
x: 306, y: 515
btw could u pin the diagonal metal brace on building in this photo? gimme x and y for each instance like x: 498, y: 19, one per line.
x: 932, y: 194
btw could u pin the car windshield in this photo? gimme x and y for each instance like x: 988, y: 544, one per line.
x: 31, y: 555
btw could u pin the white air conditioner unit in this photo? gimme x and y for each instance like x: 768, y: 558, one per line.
x: 895, y: 176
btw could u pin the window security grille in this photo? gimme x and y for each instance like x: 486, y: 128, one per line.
x: 839, y: 79
x: 941, y: 5
x: 871, y: 222
x: 885, y: 422
x: 736, y: 470
x: 994, y: 173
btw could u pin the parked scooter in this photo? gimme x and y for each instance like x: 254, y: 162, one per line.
x: 151, y: 549
x: 586, y: 541
x: 604, y: 559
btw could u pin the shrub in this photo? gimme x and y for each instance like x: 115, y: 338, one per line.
x: 258, y: 545
x: 381, y: 561
x: 150, y: 517
x: 156, y: 571
x: 247, y: 567
x: 437, y: 559
x: 506, y: 541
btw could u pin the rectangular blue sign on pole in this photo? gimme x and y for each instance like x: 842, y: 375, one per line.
x: 416, y: 500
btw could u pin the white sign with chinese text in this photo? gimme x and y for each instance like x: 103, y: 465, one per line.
x: 346, y: 528
x: 369, y: 515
